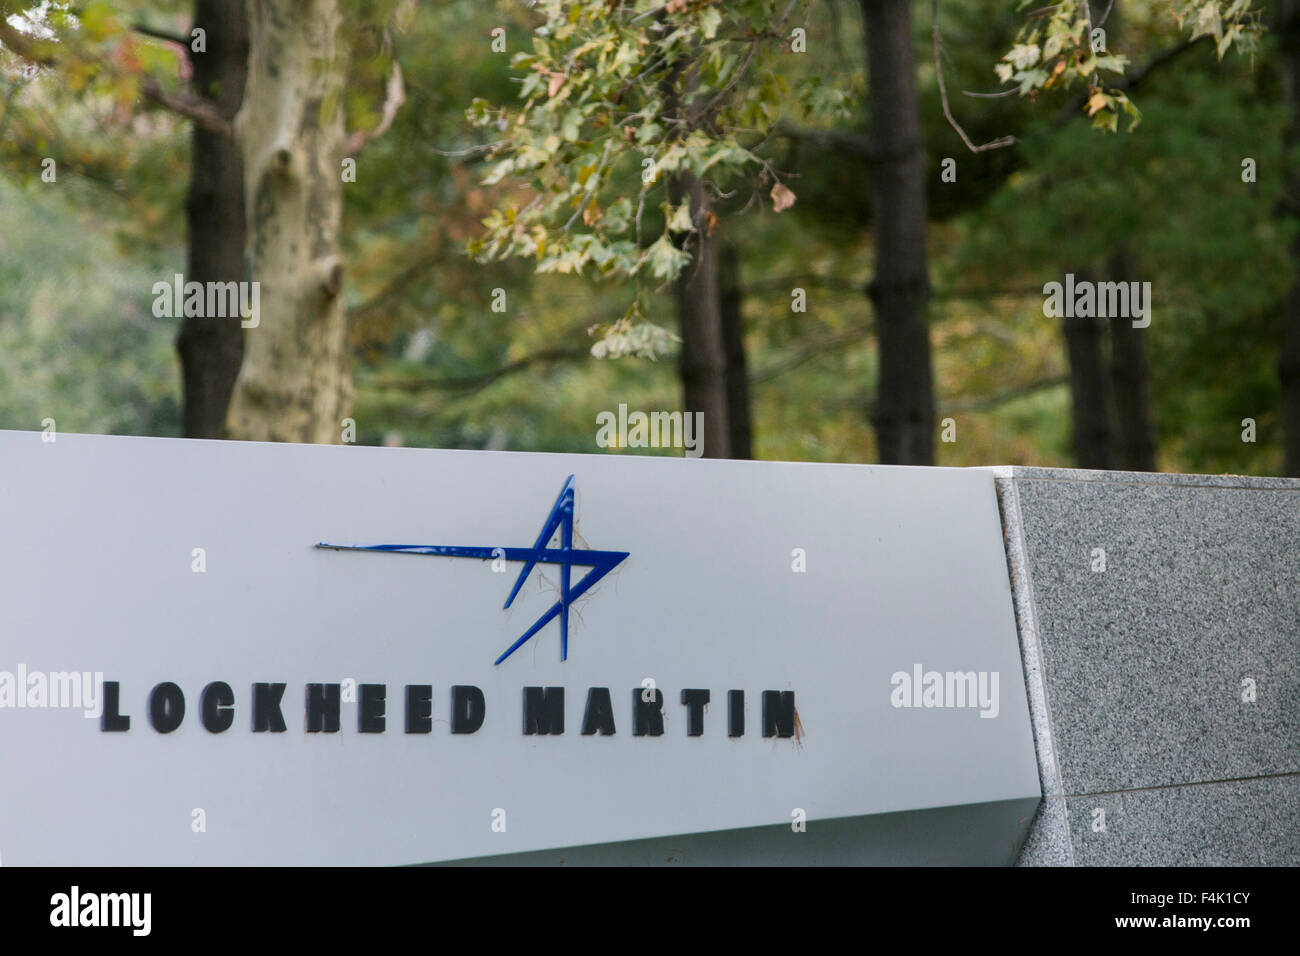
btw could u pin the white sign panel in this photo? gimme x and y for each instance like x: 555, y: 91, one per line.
x: 496, y: 652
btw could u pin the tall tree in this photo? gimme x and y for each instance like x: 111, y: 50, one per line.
x: 1090, y: 388
x: 1130, y: 377
x: 211, y: 348
x: 731, y: 292
x: 1129, y: 370
x: 288, y: 134
x: 1074, y: 41
x: 623, y: 103
x: 295, y: 384
x: 900, y: 288
x: 1111, y: 417
x: 703, y: 354
x: 703, y: 358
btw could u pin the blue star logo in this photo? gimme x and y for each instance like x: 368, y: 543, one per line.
x: 566, y: 556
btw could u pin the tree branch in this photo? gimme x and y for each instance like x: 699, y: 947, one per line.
x: 809, y: 352
x: 1129, y: 82
x: 393, y: 287
x: 194, y: 108
x: 982, y: 403
x: 854, y: 144
x: 943, y: 90
x: 145, y: 30
x: 28, y: 47
x: 866, y: 403
x: 203, y: 113
x: 800, y: 280
x: 394, y: 97
x: 484, y: 379
x: 858, y: 144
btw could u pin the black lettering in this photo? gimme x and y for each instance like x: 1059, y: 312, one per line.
x: 419, y: 708
x: 694, y: 701
x: 778, y: 713
x: 166, y: 707
x: 467, y: 709
x: 543, y: 710
x: 112, y: 721
x: 735, y: 713
x: 266, y: 708
x: 216, y: 706
x: 647, y: 715
x: 370, y: 708
x: 600, y: 713
x: 323, y: 704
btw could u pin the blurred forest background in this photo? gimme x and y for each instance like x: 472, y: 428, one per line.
x: 787, y: 141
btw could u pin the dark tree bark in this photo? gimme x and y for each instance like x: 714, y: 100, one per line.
x: 1090, y: 396
x: 1133, y: 442
x: 733, y: 334
x: 1289, y: 358
x: 1131, y: 379
x: 1110, y: 413
x: 212, y: 349
x: 703, y: 359
x: 900, y: 289
x: 699, y: 311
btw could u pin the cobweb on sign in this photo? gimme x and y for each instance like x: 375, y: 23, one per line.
x: 552, y: 588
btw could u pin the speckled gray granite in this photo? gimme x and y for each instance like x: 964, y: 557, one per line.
x: 1241, y: 823
x: 1136, y: 674
x: 1048, y: 842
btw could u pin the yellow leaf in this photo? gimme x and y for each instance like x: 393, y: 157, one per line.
x: 1097, y: 102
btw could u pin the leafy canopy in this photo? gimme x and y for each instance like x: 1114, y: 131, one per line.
x: 1060, y: 45
x: 617, y: 99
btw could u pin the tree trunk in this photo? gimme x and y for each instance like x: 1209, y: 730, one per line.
x: 1289, y: 359
x: 704, y: 354
x: 295, y: 384
x: 1131, y: 379
x: 211, y: 349
x: 1133, y: 441
x: 900, y: 289
x: 703, y: 359
x: 733, y: 335
x: 1090, y: 398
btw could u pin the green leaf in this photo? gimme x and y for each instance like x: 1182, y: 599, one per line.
x: 666, y: 261
x: 617, y: 216
x: 710, y: 20
x: 680, y: 220
x: 649, y: 133
x: 1031, y: 80
x: 1023, y: 55
x: 97, y: 19
x: 1226, y: 42
x: 571, y: 127
x: 499, y: 172
x: 1107, y: 120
